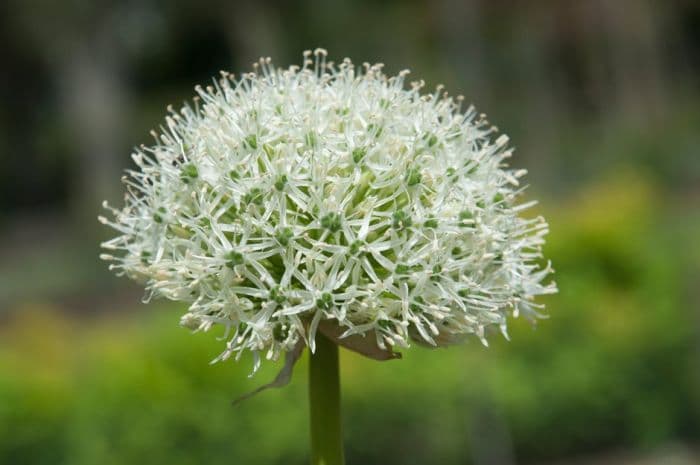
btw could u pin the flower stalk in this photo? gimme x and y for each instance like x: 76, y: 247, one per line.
x: 324, y: 404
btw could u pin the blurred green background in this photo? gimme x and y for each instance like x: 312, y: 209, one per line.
x: 602, y: 101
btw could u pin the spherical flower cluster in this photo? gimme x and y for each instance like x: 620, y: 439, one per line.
x: 328, y: 194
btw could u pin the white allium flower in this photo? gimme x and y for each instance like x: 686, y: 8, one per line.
x: 327, y: 194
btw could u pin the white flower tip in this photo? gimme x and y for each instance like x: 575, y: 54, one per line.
x: 504, y: 332
x: 502, y: 140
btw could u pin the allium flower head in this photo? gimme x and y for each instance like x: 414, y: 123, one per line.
x: 330, y: 195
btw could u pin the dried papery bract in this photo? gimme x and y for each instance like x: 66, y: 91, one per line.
x: 332, y: 196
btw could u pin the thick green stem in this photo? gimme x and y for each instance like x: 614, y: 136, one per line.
x: 324, y: 404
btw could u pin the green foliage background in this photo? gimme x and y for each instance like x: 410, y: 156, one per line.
x: 614, y: 366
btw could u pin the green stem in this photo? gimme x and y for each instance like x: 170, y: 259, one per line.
x: 324, y: 404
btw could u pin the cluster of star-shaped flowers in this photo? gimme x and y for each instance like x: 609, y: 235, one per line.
x: 330, y: 194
